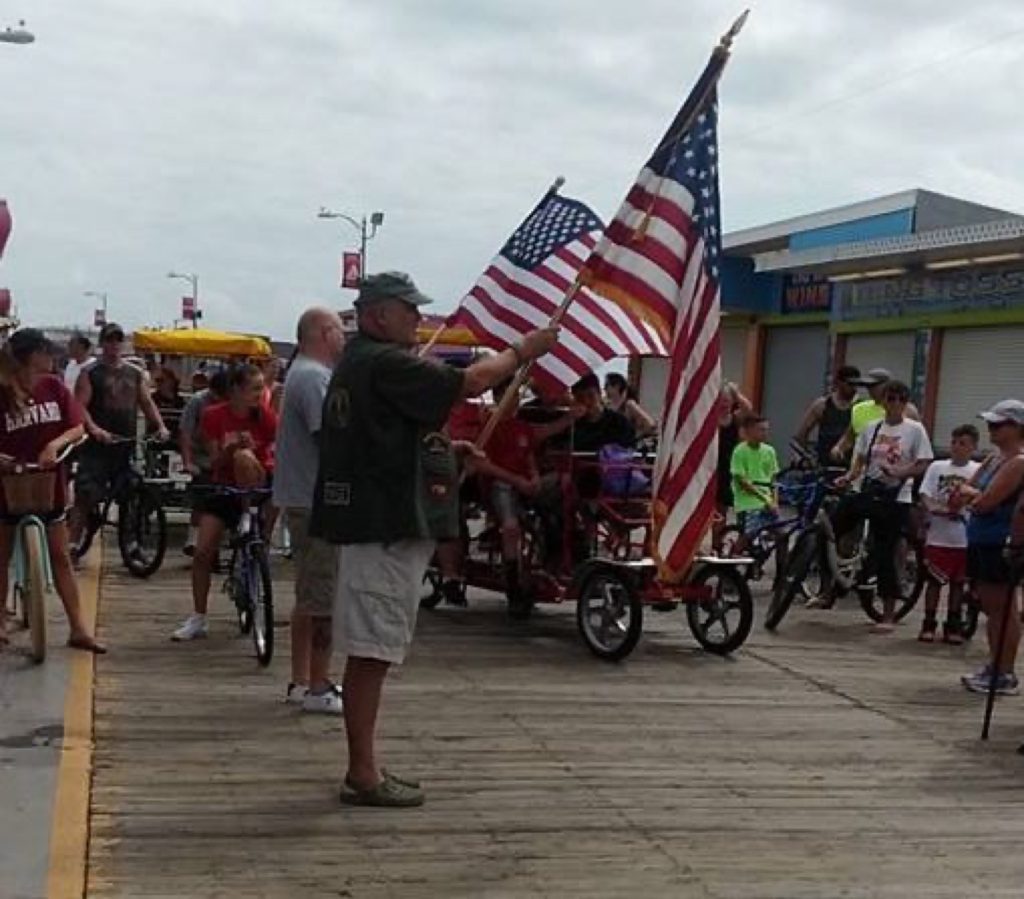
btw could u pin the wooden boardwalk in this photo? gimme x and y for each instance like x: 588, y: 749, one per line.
x: 825, y: 762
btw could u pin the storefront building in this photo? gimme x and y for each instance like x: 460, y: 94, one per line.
x: 925, y: 285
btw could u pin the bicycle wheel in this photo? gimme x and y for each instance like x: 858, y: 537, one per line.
x: 609, y: 614
x: 791, y: 583
x: 721, y: 622
x: 261, y: 602
x: 912, y: 580
x: 34, y: 595
x: 142, y: 530
x: 93, y: 523
x: 971, y: 613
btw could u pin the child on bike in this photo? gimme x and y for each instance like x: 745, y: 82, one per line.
x: 510, y: 470
x: 945, y: 549
x: 754, y: 466
x: 239, y: 435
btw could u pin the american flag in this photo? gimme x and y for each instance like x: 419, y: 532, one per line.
x: 527, y: 281
x: 659, y: 259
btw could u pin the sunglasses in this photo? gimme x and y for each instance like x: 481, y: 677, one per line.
x: 993, y: 425
x: 896, y: 398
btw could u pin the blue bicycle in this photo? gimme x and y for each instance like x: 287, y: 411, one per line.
x: 248, y: 583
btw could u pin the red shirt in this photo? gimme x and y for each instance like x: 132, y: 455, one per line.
x: 50, y: 411
x: 465, y: 421
x: 511, y: 446
x: 221, y: 426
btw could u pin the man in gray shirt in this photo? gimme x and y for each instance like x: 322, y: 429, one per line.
x: 320, y: 339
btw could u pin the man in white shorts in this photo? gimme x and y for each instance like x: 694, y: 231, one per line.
x: 387, y: 490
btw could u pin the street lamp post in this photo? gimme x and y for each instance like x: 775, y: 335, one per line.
x: 367, y: 229
x: 100, y: 295
x: 17, y: 35
x: 192, y: 279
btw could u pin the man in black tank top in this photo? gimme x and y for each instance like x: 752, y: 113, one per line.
x: 830, y: 415
x: 111, y: 393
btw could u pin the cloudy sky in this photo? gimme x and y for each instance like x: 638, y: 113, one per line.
x: 140, y: 137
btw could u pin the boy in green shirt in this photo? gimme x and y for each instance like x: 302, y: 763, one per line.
x: 754, y: 467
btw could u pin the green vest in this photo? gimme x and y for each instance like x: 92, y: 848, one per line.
x: 387, y: 472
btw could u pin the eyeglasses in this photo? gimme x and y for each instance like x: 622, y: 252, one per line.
x: 896, y: 398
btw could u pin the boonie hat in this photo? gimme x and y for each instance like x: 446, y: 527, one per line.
x: 26, y: 341
x: 390, y: 286
x: 874, y: 377
x: 111, y: 331
x: 1005, y: 410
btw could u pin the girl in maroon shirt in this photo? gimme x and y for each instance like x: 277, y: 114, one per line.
x: 38, y: 419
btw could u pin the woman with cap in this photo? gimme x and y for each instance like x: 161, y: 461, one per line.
x: 990, y: 497
x: 39, y: 419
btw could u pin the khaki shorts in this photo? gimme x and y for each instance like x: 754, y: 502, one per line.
x: 316, y: 567
x: 378, y: 596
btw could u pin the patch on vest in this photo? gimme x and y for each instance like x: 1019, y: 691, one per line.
x: 439, y: 473
x: 337, y: 493
x: 338, y: 407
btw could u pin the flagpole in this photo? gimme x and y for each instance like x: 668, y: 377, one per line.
x: 556, y: 186
x: 719, y: 54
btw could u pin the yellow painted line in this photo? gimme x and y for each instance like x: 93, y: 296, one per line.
x: 69, y: 832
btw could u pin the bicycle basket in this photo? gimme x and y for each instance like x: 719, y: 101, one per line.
x: 29, y: 492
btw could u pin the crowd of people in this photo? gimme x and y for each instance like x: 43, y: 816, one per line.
x: 969, y: 513
x: 364, y: 448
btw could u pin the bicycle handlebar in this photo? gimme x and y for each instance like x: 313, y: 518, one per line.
x: 16, y: 467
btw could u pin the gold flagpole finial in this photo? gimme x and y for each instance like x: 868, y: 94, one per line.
x: 737, y: 26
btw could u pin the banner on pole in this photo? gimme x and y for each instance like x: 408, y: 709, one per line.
x: 99, y: 318
x: 5, y: 303
x: 188, y: 308
x: 351, y: 270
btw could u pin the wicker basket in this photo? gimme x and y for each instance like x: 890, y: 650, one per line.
x: 29, y: 492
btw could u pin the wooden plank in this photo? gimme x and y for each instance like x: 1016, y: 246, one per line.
x: 821, y: 762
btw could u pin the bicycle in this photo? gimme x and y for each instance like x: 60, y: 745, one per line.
x: 248, y: 583
x: 816, y: 550
x: 141, y: 520
x: 28, y: 494
x: 800, y: 490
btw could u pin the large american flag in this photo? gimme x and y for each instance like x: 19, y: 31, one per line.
x: 659, y: 259
x: 527, y: 281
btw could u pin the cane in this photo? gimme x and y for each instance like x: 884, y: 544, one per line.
x: 1014, y: 561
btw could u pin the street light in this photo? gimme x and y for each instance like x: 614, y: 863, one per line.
x: 194, y: 281
x: 367, y: 229
x: 17, y: 35
x: 100, y: 295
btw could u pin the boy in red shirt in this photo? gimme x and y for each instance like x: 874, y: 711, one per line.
x: 511, y: 470
x: 239, y: 436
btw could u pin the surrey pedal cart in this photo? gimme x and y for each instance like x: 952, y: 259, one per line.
x: 588, y: 540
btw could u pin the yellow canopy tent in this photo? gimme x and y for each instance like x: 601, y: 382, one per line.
x: 201, y: 342
x: 457, y: 336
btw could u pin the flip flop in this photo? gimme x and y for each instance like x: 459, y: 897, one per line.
x: 88, y: 644
x: 389, y: 793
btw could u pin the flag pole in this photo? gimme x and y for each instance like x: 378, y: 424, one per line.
x: 556, y: 186
x: 720, y: 55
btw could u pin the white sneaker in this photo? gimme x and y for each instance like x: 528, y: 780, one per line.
x: 295, y: 694
x: 326, y: 703
x: 193, y: 629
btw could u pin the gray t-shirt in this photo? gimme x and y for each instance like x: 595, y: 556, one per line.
x: 191, y: 415
x: 298, y: 447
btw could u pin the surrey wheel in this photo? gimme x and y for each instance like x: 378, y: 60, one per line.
x: 720, y: 618
x: 609, y: 614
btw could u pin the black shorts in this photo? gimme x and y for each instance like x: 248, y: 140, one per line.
x: 98, y: 465
x: 227, y: 508
x: 985, y: 563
